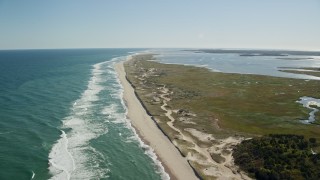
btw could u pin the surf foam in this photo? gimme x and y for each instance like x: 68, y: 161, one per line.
x: 72, y: 157
x: 147, y: 149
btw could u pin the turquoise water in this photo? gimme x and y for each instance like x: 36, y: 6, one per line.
x: 62, y: 117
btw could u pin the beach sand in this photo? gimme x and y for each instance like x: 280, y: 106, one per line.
x: 175, y: 165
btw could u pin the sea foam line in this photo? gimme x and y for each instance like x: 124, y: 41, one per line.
x: 33, y: 175
x: 61, y: 167
x: 147, y: 149
x: 69, y: 157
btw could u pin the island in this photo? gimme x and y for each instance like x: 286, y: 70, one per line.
x: 250, y: 52
x: 213, y: 118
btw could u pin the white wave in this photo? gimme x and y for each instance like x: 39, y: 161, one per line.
x: 33, y: 175
x: 113, y: 114
x: 147, y: 149
x: 71, y: 157
x: 60, y: 160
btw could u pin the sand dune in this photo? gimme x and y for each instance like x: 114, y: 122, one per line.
x: 176, y: 165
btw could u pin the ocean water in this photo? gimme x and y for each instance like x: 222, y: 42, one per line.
x: 233, y: 63
x: 62, y: 117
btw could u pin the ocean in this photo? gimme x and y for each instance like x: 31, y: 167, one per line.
x: 62, y: 117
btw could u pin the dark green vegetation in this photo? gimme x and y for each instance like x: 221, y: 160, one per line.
x: 279, y: 157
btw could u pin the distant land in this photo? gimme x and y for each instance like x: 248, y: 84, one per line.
x: 259, y: 52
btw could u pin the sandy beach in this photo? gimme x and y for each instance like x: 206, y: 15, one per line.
x: 175, y: 165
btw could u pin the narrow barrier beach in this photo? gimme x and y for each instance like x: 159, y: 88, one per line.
x: 174, y: 163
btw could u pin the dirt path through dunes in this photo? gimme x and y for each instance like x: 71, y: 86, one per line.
x: 220, y: 170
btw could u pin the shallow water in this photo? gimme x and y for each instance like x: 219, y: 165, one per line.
x: 308, y: 102
x: 233, y: 63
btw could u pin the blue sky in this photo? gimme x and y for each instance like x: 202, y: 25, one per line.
x: 270, y: 24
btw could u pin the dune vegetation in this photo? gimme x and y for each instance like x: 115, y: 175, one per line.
x: 207, y: 108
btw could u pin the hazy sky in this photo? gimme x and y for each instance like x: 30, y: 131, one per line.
x: 271, y: 24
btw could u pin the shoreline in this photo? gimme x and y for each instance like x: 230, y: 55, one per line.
x: 174, y: 163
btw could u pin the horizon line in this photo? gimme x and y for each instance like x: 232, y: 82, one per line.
x: 194, y: 48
